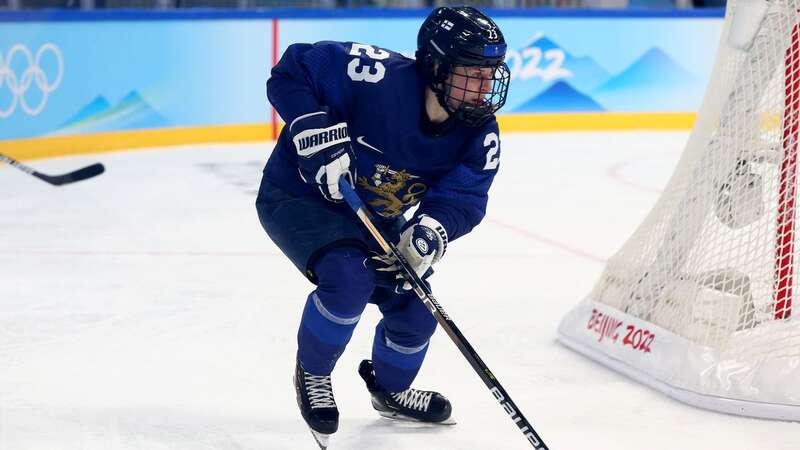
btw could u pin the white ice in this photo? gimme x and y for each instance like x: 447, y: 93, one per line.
x: 147, y: 309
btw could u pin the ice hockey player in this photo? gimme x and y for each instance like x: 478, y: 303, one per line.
x: 403, y: 133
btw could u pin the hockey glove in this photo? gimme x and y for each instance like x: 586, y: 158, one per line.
x: 324, y: 153
x: 422, y: 243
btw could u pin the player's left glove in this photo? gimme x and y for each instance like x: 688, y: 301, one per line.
x: 324, y: 153
x: 423, y: 243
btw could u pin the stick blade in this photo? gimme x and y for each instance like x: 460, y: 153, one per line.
x: 72, y: 177
x: 88, y: 172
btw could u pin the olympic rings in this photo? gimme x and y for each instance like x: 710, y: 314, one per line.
x: 18, y: 86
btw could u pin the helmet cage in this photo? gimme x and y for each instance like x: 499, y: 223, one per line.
x: 472, y: 99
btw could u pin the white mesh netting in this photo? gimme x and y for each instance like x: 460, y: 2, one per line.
x: 710, y: 276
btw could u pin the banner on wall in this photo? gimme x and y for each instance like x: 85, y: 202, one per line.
x: 66, y: 78
x: 73, y: 77
x: 571, y: 65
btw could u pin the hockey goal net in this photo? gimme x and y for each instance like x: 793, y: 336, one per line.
x: 699, y: 302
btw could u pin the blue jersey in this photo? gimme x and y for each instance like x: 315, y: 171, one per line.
x: 380, y: 94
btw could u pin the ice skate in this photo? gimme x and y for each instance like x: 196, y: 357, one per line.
x: 411, y: 404
x: 317, y: 405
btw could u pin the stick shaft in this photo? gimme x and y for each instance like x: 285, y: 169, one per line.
x: 14, y: 163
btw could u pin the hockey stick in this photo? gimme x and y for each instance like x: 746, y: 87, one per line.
x: 57, y: 180
x: 424, y: 293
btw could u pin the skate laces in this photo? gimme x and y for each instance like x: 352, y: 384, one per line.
x: 414, y: 399
x: 319, y: 390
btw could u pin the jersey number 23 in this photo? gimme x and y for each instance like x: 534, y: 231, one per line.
x: 371, y: 72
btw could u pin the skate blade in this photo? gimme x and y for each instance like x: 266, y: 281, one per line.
x: 322, y: 439
x: 404, y: 418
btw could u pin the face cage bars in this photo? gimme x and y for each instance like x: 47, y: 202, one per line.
x: 489, y: 101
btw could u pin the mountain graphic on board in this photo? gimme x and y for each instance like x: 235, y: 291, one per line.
x: 654, y: 82
x: 132, y: 112
x: 137, y: 113
x: 654, y: 67
x: 560, y: 97
x: 543, y: 42
x: 97, y: 106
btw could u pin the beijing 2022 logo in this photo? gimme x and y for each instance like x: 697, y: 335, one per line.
x: 20, y: 77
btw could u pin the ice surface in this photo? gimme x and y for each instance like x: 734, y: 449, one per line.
x: 146, y: 309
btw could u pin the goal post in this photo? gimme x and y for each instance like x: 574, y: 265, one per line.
x: 784, y: 255
x: 698, y: 302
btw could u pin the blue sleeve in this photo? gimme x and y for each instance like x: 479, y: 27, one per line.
x: 458, y: 200
x: 310, y: 78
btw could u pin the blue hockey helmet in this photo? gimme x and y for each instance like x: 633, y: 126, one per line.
x: 462, y: 53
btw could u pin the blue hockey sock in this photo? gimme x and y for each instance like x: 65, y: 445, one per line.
x: 396, y: 365
x: 322, y: 336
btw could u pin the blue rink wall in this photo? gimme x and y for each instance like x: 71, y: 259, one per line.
x: 73, y: 82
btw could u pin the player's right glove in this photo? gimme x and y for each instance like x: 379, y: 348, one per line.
x: 324, y: 153
x: 423, y: 242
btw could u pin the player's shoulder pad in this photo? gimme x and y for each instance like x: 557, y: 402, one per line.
x: 375, y: 52
x: 336, y: 49
x: 487, y: 128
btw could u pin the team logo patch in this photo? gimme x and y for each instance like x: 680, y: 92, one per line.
x: 394, y: 190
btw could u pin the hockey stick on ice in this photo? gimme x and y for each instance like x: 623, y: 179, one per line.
x: 57, y: 180
x: 425, y: 294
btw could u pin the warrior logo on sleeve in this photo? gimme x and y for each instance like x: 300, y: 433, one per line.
x: 395, y: 190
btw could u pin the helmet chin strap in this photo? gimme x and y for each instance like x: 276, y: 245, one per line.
x: 441, y: 96
x: 441, y: 72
